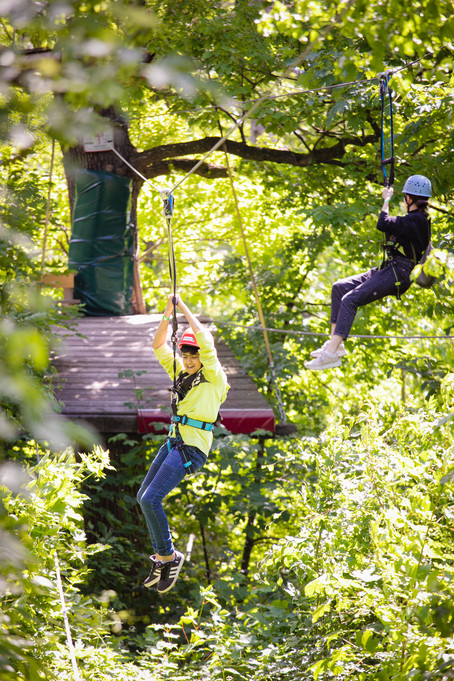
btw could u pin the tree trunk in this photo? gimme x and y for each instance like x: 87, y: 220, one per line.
x: 250, y: 523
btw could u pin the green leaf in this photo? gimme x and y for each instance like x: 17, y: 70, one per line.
x: 320, y: 611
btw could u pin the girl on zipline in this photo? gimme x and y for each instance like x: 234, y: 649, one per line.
x: 201, y: 387
x: 407, y: 237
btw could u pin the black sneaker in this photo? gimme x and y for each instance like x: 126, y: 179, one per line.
x: 170, y: 572
x: 155, y: 572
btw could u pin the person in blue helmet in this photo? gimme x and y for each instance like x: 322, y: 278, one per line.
x: 407, y: 237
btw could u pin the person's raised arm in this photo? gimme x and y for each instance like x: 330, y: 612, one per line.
x: 161, y: 332
x: 387, y: 194
x: 194, y: 323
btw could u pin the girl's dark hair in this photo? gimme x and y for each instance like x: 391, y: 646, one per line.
x: 190, y: 348
x: 421, y: 202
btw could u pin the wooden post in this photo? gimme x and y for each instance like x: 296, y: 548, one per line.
x: 64, y: 281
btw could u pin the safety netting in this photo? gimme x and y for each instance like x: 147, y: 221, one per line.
x: 102, y: 243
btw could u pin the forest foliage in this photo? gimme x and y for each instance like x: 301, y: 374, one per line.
x: 325, y: 555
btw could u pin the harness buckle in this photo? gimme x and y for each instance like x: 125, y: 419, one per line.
x: 186, y: 420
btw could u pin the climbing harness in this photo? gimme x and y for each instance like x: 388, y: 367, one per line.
x: 182, y: 385
x: 180, y: 445
x: 385, y: 90
x: 390, y: 253
x: 187, y: 421
x: 425, y: 280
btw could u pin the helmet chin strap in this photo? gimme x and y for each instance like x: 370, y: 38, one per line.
x: 406, y: 202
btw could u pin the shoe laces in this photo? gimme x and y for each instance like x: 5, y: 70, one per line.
x: 167, y: 565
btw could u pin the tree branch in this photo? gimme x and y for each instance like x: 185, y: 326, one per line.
x: 441, y: 210
x: 331, y: 155
x: 208, y: 170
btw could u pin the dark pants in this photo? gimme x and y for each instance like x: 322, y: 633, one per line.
x: 349, y: 294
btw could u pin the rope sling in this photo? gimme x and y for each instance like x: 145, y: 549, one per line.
x: 168, y: 205
x: 385, y: 90
x: 389, y: 243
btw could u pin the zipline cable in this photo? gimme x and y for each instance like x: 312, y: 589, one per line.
x: 291, y: 93
x: 257, y: 102
x: 301, y: 332
x: 277, y: 391
x: 329, y: 27
x: 137, y: 172
x: 168, y: 206
x: 167, y: 195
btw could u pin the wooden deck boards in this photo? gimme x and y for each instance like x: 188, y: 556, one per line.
x: 104, y: 360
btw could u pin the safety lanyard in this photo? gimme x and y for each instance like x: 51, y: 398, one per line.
x: 388, y: 180
x: 168, y: 204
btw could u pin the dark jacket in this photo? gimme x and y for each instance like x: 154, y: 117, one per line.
x: 413, y: 228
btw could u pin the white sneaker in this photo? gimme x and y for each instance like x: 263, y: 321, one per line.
x: 325, y: 360
x: 341, y: 351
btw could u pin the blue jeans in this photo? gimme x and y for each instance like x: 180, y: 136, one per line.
x: 349, y: 294
x: 166, y: 472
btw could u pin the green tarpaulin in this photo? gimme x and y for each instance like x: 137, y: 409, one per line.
x: 101, y: 247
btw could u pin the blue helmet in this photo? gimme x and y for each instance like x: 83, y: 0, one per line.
x: 418, y: 185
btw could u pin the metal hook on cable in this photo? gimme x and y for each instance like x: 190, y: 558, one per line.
x: 168, y: 203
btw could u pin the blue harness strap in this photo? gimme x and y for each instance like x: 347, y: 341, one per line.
x: 187, y: 463
x: 386, y: 90
x: 186, y: 421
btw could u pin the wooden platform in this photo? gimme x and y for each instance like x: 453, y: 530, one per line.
x: 108, y: 376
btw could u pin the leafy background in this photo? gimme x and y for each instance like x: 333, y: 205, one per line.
x: 326, y: 554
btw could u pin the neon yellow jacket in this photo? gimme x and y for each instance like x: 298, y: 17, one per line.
x: 203, y: 400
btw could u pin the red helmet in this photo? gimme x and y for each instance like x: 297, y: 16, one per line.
x: 188, y: 338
